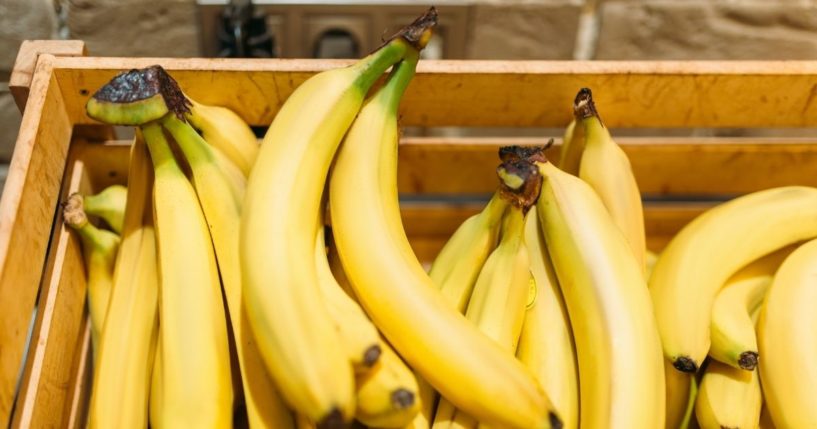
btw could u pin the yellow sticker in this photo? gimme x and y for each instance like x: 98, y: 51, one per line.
x: 531, y: 292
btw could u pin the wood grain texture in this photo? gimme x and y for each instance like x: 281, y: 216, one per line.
x: 26, y: 61
x: 504, y: 93
x: 27, y: 212
x: 54, y: 353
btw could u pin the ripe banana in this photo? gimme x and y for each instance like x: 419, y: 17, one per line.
x: 358, y: 335
x: 497, y: 306
x: 606, y: 168
x: 457, y: 266
x: 121, y: 382
x: 156, y: 379
x: 394, y: 289
x: 220, y: 199
x: 701, y: 258
x: 546, y: 342
x: 225, y: 130
x: 197, y: 386
x: 733, y: 334
x: 109, y: 205
x: 681, y: 391
x: 570, y: 154
x: 387, y: 395
x: 621, y: 379
x: 728, y: 398
x: 99, y: 249
x: 278, y: 230
x: 787, y: 336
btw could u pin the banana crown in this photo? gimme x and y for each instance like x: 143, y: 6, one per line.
x: 519, y: 182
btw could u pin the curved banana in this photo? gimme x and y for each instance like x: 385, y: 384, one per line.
x: 387, y: 396
x: 570, y: 154
x: 278, y: 230
x: 109, y: 204
x: 728, y: 398
x: 121, y: 382
x: 497, y: 306
x: 681, y: 392
x: 606, y: 168
x: 650, y: 259
x: 99, y: 249
x: 156, y: 380
x: 732, y: 331
x: 621, y: 373
x: 787, y: 336
x: 358, y: 335
x: 225, y: 130
x: 394, y: 289
x: 704, y: 254
x: 457, y: 266
x: 197, y: 386
x: 220, y: 198
x: 546, y: 341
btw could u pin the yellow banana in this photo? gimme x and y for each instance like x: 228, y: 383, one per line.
x: 457, y: 266
x: 621, y: 379
x: 397, y: 293
x: 109, y: 205
x: 546, y: 342
x: 681, y: 391
x: 497, y: 306
x: 650, y: 259
x: 278, y: 230
x: 99, y: 249
x: 606, y: 168
x: 765, y: 418
x: 387, y: 396
x: 570, y: 154
x: 701, y: 258
x: 225, y: 130
x: 156, y: 380
x: 220, y: 199
x: 732, y: 331
x: 728, y: 398
x: 121, y: 382
x: 787, y: 336
x: 358, y: 336
x: 196, y: 383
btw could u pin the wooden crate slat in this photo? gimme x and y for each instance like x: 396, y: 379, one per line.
x: 26, y: 216
x: 504, y: 93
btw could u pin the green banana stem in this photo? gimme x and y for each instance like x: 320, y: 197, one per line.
x: 108, y: 205
x: 160, y: 153
x: 192, y: 144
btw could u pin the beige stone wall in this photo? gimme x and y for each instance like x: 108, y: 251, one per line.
x: 497, y: 29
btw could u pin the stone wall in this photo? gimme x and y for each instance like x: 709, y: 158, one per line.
x: 497, y: 29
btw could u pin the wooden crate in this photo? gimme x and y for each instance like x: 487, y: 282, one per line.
x: 443, y: 180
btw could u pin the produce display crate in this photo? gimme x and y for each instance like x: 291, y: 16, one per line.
x: 442, y: 180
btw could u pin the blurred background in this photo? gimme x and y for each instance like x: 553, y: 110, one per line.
x: 478, y: 29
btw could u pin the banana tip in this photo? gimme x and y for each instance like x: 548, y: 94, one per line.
x: 73, y: 210
x: 583, y: 104
x: 371, y: 355
x: 418, y: 33
x: 333, y: 420
x: 555, y: 421
x: 402, y: 399
x: 685, y: 364
x: 748, y: 360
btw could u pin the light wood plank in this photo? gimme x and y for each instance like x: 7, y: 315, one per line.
x: 504, y: 93
x: 26, y: 61
x: 26, y: 215
x: 50, y: 369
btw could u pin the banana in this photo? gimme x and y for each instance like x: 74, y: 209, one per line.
x: 733, y: 334
x: 220, y: 198
x: 109, y: 205
x: 787, y: 336
x: 546, y: 342
x: 156, y: 397
x: 570, y: 155
x: 606, y: 168
x: 278, y: 230
x: 700, y: 259
x: 358, y: 335
x: 728, y: 398
x: 121, y: 382
x: 650, y: 258
x: 99, y: 249
x: 681, y: 392
x: 497, y: 306
x: 457, y: 266
x: 621, y: 379
x: 397, y: 293
x: 387, y: 395
x: 197, y: 386
x: 765, y: 418
x: 225, y: 130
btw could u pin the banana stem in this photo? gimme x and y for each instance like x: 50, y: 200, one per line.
x: 519, y: 183
x: 192, y: 144
x: 160, y: 153
x: 399, y: 79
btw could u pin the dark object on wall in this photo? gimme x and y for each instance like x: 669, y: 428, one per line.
x: 243, y: 33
